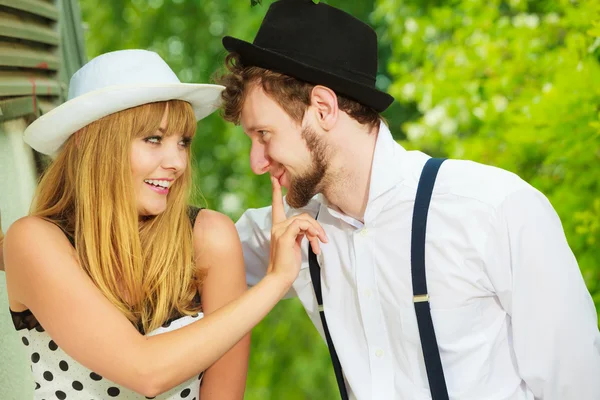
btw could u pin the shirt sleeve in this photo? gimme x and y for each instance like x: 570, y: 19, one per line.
x: 254, y: 229
x: 538, y: 282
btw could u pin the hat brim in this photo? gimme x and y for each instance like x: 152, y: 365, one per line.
x: 257, y: 56
x: 50, y: 131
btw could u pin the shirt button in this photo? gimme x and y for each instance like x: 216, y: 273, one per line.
x: 364, y: 232
x: 368, y: 292
x: 379, y: 353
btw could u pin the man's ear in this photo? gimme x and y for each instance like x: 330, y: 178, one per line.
x: 324, y: 102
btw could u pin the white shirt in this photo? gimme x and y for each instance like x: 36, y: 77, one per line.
x: 512, y: 315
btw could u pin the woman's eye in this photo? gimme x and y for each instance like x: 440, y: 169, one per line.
x: 185, y: 142
x: 153, y: 139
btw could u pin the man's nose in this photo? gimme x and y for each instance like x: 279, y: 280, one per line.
x: 259, y: 160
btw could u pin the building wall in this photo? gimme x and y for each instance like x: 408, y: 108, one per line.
x: 41, y: 46
x: 17, y: 185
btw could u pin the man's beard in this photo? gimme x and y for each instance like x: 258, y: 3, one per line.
x: 304, y: 187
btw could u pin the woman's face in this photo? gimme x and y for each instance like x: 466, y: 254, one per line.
x: 157, y: 161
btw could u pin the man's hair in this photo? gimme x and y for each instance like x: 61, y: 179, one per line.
x: 291, y: 94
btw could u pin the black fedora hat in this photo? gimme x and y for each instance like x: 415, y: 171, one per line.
x: 318, y: 44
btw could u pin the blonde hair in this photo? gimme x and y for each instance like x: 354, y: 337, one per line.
x: 143, y: 266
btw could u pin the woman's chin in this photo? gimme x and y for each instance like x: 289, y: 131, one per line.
x: 151, y: 210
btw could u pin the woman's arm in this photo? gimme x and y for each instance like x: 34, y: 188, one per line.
x: 43, y: 275
x: 219, y: 252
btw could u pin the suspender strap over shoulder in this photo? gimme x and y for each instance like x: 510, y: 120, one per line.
x: 431, y: 354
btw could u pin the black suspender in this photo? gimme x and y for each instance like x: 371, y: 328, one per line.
x: 431, y: 354
x: 315, y: 275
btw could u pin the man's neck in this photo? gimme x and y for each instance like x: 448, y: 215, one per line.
x: 350, y: 177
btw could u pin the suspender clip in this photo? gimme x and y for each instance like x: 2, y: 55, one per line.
x: 320, y: 308
x: 421, y: 298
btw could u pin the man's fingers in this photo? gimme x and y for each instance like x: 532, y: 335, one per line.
x: 278, y: 210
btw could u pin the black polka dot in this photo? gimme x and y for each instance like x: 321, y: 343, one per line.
x: 25, y: 341
x: 185, y: 393
x: 63, y: 366
x: 37, y: 386
x: 52, y: 345
x: 150, y: 397
x: 61, y: 395
x: 35, y: 357
x: 48, y: 376
x: 77, y: 386
x: 95, y: 376
x: 113, y: 391
x: 39, y: 328
x: 200, y: 376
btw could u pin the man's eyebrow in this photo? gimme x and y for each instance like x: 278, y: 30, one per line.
x: 256, y: 128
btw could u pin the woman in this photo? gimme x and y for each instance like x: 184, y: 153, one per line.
x: 117, y: 287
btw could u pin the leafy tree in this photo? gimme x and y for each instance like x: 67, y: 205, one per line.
x: 515, y: 84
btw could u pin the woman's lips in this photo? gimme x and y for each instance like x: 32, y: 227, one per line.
x: 158, y: 189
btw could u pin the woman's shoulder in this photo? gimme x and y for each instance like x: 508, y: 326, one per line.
x: 35, y: 237
x: 214, y: 231
x: 34, y: 246
x: 34, y: 230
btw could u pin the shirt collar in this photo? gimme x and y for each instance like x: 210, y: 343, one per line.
x: 385, y: 173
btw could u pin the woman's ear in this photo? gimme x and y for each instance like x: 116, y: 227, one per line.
x: 324, y: 101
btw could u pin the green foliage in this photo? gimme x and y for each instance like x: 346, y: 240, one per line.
x: 514, y: 84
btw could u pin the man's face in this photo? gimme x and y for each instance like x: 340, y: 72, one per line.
x: 297, y: 156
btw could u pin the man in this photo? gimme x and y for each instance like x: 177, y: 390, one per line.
x: 512, y: 318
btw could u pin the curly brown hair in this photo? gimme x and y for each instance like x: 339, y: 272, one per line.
x: 291, y: 94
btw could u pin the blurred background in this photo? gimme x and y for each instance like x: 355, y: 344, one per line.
x: 511, y: 83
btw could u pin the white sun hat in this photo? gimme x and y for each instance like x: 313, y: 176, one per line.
x: 113, y: 82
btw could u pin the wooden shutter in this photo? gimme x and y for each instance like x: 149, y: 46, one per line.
x: 30, y: 58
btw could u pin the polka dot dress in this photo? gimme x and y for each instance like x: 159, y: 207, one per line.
x: 58, y: 376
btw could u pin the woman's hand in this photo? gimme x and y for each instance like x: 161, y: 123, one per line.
x: 286, y: 238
